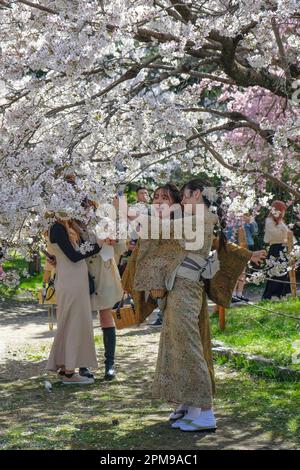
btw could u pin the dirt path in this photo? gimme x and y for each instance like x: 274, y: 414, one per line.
x: 24, y: 326
x: 21, y: 323
x: 26, y: 323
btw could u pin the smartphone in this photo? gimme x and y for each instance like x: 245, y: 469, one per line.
x: 51, y: 257
x: 121, y: 190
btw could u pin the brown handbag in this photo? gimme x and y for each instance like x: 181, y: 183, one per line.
x: 158, y: 293
x: 46, y: 295
x: 125, y: 315
x: 233, y: 260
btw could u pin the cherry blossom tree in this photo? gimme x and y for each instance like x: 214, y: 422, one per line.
x: 116, y: 90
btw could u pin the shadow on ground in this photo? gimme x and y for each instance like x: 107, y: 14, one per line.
x: 252, y: 414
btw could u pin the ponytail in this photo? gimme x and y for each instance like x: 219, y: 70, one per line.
x: 219, y: 231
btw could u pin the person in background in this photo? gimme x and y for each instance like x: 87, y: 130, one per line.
x: 2, y: 273
x: 251, y: 229
x: 142, y: 195
x: 141, y: 206
x: 243, y: 234
x: 276, y: 236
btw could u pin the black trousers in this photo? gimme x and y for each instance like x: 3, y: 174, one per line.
x: 274, y: 286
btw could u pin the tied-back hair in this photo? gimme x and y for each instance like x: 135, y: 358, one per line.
x: 219, y: 231
x: 87, y: 203
x: 72, y: 230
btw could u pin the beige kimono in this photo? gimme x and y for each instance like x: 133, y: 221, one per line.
x: 184, y: 371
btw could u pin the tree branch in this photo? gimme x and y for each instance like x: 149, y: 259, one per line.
x: 281, y: 50
x: 39, y: 7
x: 235, y: 169
x: 184, y: 11
x: 266, y: 134
x: 4, y: 4
x: 242, y: 75
x: 128, y: 75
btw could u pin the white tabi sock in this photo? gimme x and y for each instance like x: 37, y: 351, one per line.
x: 193, y: 413
x: 206, y: 418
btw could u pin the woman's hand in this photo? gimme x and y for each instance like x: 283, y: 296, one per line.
x: 107, y: 241
x: 100, y: 242
x: 258, y: 257
x: 116, y: 202
x: 111, y: 241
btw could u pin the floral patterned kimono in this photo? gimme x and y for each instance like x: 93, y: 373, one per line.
x: 184, y: 371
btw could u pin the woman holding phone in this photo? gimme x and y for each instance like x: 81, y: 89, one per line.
x: 103, y: 269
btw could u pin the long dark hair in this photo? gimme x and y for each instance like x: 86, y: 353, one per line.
x: 200, y: 184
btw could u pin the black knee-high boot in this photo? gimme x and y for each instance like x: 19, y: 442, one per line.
x: 109, y: 341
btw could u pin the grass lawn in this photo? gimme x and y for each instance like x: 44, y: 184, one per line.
x: 28, y: 286
x: 249, y: 329
x: 252, y: 413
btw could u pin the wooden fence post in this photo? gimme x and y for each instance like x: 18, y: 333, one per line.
x: 292, y: 272
x: 222, y: 319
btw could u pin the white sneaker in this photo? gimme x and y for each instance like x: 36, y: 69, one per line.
x: 77, y: 379
x: 205, y: 422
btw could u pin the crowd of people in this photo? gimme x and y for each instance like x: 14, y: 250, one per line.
x: 156, y: 272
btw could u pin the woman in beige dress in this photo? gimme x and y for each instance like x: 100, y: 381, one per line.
x: 73, y: 345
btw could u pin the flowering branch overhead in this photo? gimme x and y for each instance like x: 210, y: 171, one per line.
x: 112, y: 91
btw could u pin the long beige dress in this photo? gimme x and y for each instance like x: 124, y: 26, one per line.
x: 73, y: 344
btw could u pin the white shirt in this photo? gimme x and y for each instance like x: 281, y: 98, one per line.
x: 275, y: 233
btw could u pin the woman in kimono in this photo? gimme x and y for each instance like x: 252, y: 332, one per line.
x: 184, y: 371
x: 164, y: 196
